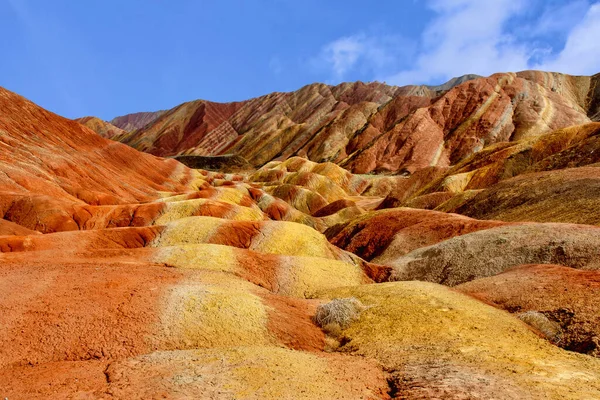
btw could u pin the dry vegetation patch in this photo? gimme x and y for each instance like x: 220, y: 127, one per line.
x: 550, y: 329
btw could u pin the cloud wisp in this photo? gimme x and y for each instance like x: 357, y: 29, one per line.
x: 367, y: 53
x: 581, y: 54
x: 478, y: 37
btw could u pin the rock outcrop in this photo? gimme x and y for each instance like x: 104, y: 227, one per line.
x: 429, y: 340
x: 491, y: 251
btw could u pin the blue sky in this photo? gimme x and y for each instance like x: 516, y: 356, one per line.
x: 109, y: 58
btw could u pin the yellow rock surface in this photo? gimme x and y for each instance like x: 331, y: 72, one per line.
x: 288, y: 238
x: 295, y: 276
x: 272, y: 237
x: 214, y: 257
x: 246, y: 373
x: 304, y: 276
x: 220, y: 310
x: 180, y: 209
x: 441, y: 343
x: 190, y: 230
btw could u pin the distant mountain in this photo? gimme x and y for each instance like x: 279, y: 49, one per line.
x: 454, y: 82
x: 101, y: 127
x: 137, y: 120
x: 372, y: 127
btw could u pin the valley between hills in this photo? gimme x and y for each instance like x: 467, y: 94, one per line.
x: 358, y: 241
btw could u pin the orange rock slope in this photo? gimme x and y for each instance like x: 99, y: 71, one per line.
x: 125, y: 275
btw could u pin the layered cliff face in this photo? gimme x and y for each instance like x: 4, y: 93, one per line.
x: 126, y: 275
x: 375, y: 127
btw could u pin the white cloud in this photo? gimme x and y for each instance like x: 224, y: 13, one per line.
x: 479, y: 37
x: 343, y: 53
x: 466, y: 37
x: 557, y: 19
x: 581, y: 54
x: 371, y: 54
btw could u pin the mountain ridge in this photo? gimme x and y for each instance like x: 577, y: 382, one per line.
x: 373, y: 127
x: 120, y: 121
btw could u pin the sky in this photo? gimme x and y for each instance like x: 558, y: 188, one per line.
x: 113, y: 57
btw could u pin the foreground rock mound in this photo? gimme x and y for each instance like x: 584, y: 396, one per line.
x: 437, y: 343
x: 251, y: 373
x: 565, y: 296
x: 491, y: 251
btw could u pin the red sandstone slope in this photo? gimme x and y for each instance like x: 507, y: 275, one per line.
x: 549, y: 178
x: 44, y: 153
x: 200, y: 123
x: 375, y: 127
x: 51, y: 163
x: 290, y: 119
x: 474, y: 115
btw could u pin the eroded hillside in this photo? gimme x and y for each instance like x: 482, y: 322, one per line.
x: 126, y: 275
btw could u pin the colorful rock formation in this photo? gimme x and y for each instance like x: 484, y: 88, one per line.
x: 126, y: 275
x: 373, y: 127
x: 564, y: 295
